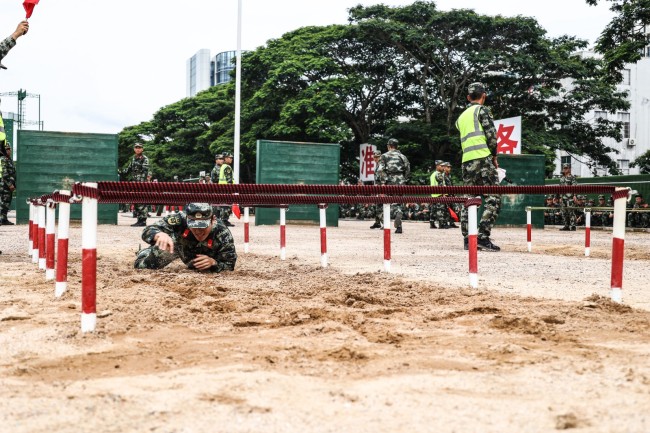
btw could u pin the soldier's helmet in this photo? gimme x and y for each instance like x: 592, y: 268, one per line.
x: 446, y: 164
x: 476, y: 88
x: 227, y: 155
x: 393, y: 142
x: 138, y: 145
x: 218, y: 156
x: 199, y: 215
x: 376, y: 153
x: 439, y: 162
x: 601, y: 197
x: 566, y: 165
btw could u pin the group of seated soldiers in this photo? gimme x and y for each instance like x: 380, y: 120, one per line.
x: 599, y: 218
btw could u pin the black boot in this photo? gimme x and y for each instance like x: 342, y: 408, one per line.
x: 376, y: 225
x: 398, y: 229
x: 565, y: 229
x: 432, y: 225
x: 140, y: 223
x: 5, y: 222
x: 487, y: 245
x: 228, y: 224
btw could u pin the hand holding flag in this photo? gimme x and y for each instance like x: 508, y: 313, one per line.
x: 29, y: 7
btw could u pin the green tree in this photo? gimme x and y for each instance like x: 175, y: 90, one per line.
x: 643, y: 162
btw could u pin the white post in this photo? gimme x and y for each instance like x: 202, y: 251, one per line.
x: 283, y: 234
x: 88, y: 262
x: 618, y: 248
x: 387, y: 257
x: 323, y: 236
x: 472, y: 235
x: 246, y: 228
x: 49, y: 241
x: 237, y: 96
x: 41, y: 237
x: 61, y: 284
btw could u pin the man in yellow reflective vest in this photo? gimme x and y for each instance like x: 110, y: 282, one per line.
x: 436, y: 209
x: 478, y: 139
x: 222, y: 174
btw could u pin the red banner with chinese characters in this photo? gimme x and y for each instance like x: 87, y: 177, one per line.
x: 509, y: 135
x: 366, y: 162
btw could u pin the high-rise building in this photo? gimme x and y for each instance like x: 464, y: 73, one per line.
x: 199, y: 72
x: 224, y: 64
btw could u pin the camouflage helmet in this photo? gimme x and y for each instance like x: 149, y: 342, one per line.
x: 476, y: 88
x: 446, y: 164
x: 218, y: 156
x: 393, y: 142
x: 439, y: 162
x: 199, y: 215
x: 138, y: 145
x: 566, y: 165
x: 601, y: 197
x: 227, y: 155
x: 376, y: 153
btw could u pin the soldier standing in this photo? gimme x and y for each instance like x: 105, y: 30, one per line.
x: 224, y: 176
x: 478, y: 139
x: 378, y: 209
x: 8, y: 182
x: 396, y: 170
x: 446, y: 166
x: 568, y: 215
x: 436, y: 209
x: 195, y: 236
x: 138, y: 171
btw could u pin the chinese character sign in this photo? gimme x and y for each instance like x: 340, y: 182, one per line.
x: 366, y: 162
x: 509, y: 135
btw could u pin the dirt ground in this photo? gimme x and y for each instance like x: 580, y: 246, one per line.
x: 287, y: 346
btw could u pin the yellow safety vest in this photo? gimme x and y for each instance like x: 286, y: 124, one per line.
x: 222, y: 174
x: 434, y: 182
x: 3, y: 134
x: 472, y: 137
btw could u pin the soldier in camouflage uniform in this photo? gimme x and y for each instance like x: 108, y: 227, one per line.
x: 639, y: 219
x: 568, y: 215
x: 396, y: 170
x: 448, y: 182
x: 548, y: 213
x: 579, y: 213
x: 600, y: 217
x: 478, y: 139
x: 222, y: 174
x: 195, y: 236
x: 8, y: 182
x: 138, y: 171
x: 437, y: 210
x: 378, y: 209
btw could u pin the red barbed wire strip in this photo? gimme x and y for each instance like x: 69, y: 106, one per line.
x: 85, y: 191
x: 61, y: 198
x: 256, y: 199
x: 175, y: 187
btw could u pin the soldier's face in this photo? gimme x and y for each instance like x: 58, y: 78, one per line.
x: 202, y: 234
x: 138, y: 150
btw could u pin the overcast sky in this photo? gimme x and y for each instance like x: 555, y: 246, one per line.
x: 99, y: 66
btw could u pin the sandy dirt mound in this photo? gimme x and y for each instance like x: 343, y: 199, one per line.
x: 288, y: 346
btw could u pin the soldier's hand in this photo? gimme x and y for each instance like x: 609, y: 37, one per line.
x: 164, y: 242
x: 203, y: 262
x: 20, y: 30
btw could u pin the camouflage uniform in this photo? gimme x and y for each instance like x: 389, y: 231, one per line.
x: 482, y: 172
x: 138, y: 171
x: 8, y: 183
x: 222, y: 212
x: 454, y: 206
x: 378, y: 209
x: 568, y: 215
x: 437, y: 210
x: 601, y: 217
x: 548, y: 213
x: 219, y: 245
x: 396, y: 170
x: 639, y: 219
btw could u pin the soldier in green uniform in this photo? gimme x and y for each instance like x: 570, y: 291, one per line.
x: 437, y: 210
x: 478, y: 139
x: 448, y: 182
x: 378, y: 209
x: 396, y: 170
x: 7, y: 182
x: 138, y: 170
x: 568, y: 216
x: 579, y: 201
x: 548, y: 213
x: 195, y: 236
x: 222, y: 174
x: 638, y: 219
x: 601, y: 217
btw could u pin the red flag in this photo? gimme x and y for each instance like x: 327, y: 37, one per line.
x: 235, y: 209
x: 453, y: 214
x: 29, y: 7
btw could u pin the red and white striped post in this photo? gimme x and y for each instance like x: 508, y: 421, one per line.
x: 30, y: 246
x: 618, y: 244
x: 587, y: 232
x: 41, y: 237
x: 472, y: 235
x: 49, y: 240
x: 61, y: 284
x: 387, y: 257
x: 88, y: 262
x: 246, y: 228
x: 283, y: 233
x: 35, y: 234
x: 529, y: 229
x: 323, y: 234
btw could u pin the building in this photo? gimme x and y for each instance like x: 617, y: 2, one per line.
x: 636, y: 123
x: 204, y: 71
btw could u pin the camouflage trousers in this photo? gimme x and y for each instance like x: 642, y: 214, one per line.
x: 438, y: 212
x: 141, y: 211
x: 5, y: 201
x: 481, y: 172
x: 222, y: 212
x: 396, y: 213
x: 568, y: 216
x: 153, y: 258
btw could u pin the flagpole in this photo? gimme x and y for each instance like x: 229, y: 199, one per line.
x: 237, y: 95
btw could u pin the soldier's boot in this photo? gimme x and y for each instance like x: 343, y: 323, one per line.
x: 565, y: 229
x: 573, y: 228
x: 398, y: 230
x: 5, y: 222
x: 444, y: 226
x: 376, y: 225
x: 453, y: 226
x: 466, y: 245
x: 487, y: 245
x: 432, y: 225
x: 142, y: 222
x: 228, y: 223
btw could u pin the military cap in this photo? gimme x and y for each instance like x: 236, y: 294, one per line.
x: 218, y: 156
x: 639, y: 195
x: 376, y: 153
x: 138, y: 145
x: 476, y: 88
x: 227, y: 155
x: 446, y: 164
x: 199, y: 215
x: 549, y: 197
x: 566, y: 165
x: 581, y: 197
x: 393, y: 142
x: 439, y: 162
x: 601, y: 197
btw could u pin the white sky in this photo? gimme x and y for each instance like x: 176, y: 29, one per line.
x: 102, y: 65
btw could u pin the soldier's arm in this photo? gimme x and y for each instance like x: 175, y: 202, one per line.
x: 147, y: 168
x: 485, y: 118
x: 228, y: 174
x: 168, y: 225
x: 214, y: 175
x: 407, y: 168
x: 223, y: 251
x: 6, y: 45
